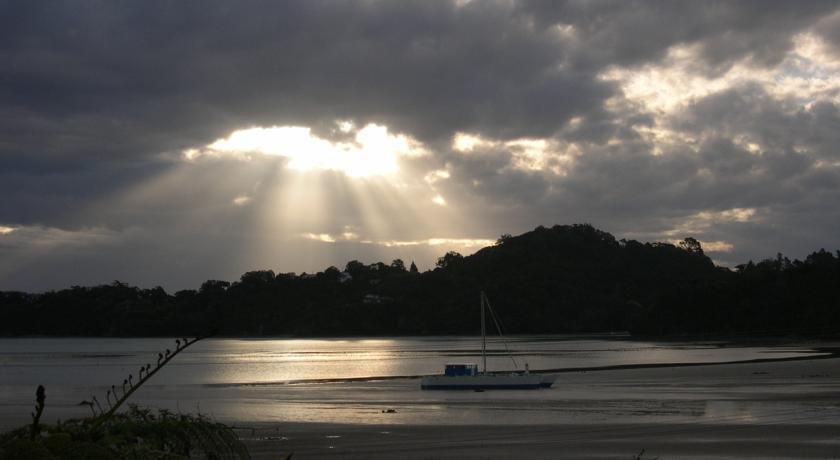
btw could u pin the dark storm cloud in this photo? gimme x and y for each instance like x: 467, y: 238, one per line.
x: 86, y: 83
x: 108, y: 80
x: 115, y: 79
x: 633, y: 32
x: 98, y: 99
x: 779, y: 196
x: 793, y: 176
x: 792, y: 192
x: 771, y: 123
x: 829, y: 28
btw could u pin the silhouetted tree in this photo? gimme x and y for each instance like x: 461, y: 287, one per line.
x: 213, y: 286
x: 503, y: 238
x: 332, y: 273
x: 449, y: 259
x: 257, y: 278
x: 354, y: 267
x: 691, y: 245
x: 567, y: 278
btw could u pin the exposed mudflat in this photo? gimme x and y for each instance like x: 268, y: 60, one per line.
x: 361, y: 398
x: 788, y: 409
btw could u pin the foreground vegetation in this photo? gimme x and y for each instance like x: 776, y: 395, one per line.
x: 550, y: 280
x: 134, y: 434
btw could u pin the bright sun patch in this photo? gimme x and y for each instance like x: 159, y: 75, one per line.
x: 465, y: 142
x: 241, y: 200
x: 527, y: 154
x: 323, y: 237
x: 703, y: 221
x: 808, y: 73
x: 710, y: 246
x: 374, y: 150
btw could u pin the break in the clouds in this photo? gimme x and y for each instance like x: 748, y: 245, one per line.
x: 171, y: 142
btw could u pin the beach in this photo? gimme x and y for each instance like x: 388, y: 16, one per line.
x: 606, y: 441
x: 361, y: 397
x: 788, y: 409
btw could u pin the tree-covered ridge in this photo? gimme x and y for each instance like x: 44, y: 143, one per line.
x: 570, y: 278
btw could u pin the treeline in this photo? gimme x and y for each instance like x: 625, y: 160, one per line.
x: 550, y: 280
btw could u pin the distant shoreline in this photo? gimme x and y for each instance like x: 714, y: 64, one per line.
x: 819, y: 353
x: 599, y: 335
x: 760, y: 339
x: 824, y: 353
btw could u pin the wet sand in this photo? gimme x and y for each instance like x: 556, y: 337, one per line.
x: 782, y: 409
x: 603, y: 441
x: 780, y: 400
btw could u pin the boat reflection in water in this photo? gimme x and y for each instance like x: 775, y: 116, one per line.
x: 466, y: 376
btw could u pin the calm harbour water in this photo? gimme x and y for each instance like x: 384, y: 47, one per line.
x: 303, y: 380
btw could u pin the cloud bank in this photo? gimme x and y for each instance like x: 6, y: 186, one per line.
x: 167, y: 143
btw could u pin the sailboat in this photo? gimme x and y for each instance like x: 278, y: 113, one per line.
x: 466, y: 376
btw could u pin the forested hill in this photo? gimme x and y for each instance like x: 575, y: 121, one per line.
x: 550, y: 280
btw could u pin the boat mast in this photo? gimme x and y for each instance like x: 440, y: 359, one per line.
x: 483, y: 336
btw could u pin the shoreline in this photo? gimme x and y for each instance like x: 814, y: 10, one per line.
x: 818, y: 354
x: 769, y: 408
x: 782, y: 405
x: 826, y: 353
x: 606, y: 441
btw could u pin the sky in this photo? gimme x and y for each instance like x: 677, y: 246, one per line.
x: 166, y: 143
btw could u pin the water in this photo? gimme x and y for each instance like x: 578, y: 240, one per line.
x: 311, y: 380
